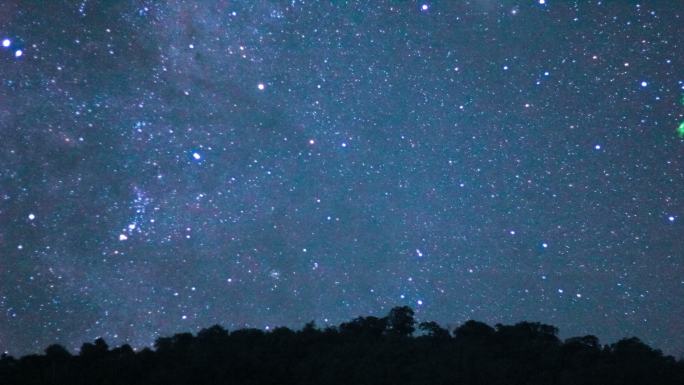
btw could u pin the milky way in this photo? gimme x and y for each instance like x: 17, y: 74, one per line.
x: 166, y: 166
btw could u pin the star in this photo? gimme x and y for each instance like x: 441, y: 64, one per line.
x: 196, y: 156
x: 18, y: 53
x: 261, y: 86
x: 6, y: 43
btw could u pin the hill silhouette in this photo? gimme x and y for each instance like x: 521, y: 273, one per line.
x: 365, y: 350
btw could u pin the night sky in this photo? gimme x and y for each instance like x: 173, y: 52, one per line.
x: 169, y: 165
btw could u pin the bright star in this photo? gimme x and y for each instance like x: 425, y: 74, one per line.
x: 261, y: 86
x: 18, y: 53
x: 122, y: 237
x: 597, y: 147
x: 542, y: 2
x: 196, y: 156
x: 31, y: 217
x: 644, y: 84
x: 6, y: 43
x: 424, y: 7
x: 545, y: 245
x: 671, y: 218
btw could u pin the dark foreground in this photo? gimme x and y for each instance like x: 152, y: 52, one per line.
x: 366, y: 350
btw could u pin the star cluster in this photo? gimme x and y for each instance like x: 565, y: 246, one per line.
x: 166, y: 166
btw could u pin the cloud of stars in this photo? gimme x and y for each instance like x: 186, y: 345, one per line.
x: 166, y: 166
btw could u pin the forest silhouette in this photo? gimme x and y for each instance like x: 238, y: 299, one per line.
x: 394, y: 349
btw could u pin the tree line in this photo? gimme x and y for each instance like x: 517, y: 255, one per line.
x: 394, y: 349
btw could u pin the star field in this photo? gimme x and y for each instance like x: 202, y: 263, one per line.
x: 166, y: 166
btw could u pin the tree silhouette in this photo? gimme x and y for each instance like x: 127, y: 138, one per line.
x: 432, y: 329
x: 96, y: 350
x: 372, y: 327
x: 365, y: 350
x: 473, y: 330
x: 57, y: 353
x: 400, y: 321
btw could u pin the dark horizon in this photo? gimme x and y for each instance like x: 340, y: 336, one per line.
x: 393, y: 349
x: 449, y: 326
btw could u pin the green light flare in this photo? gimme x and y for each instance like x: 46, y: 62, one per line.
x: 680, y: 130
